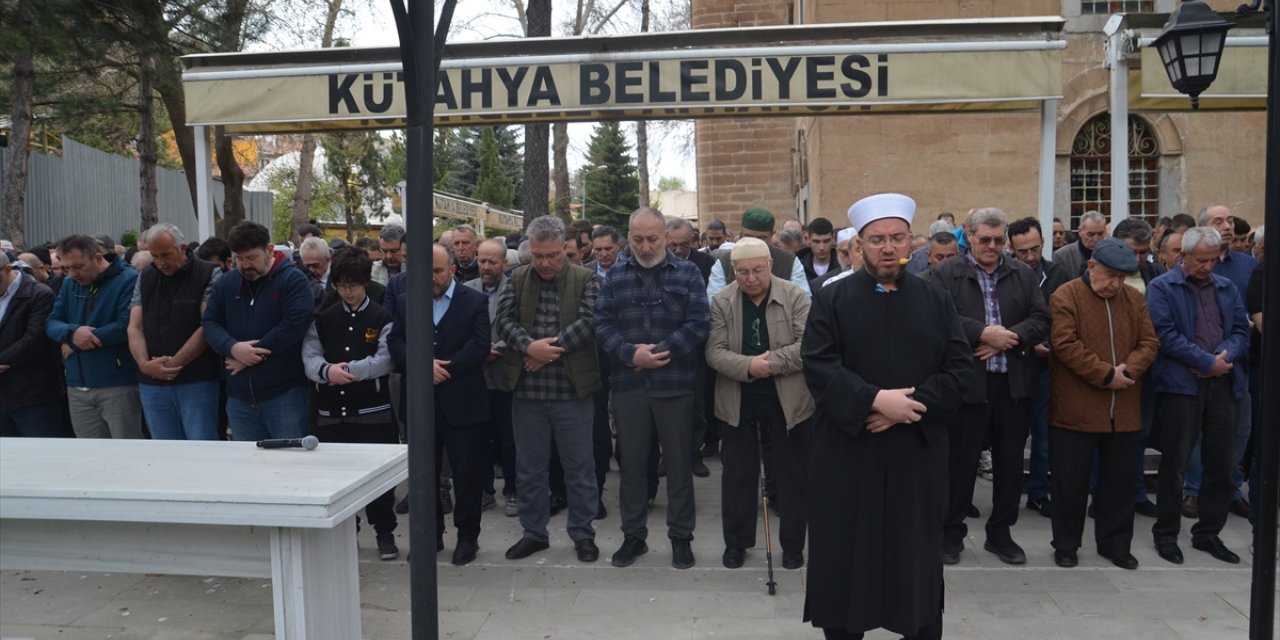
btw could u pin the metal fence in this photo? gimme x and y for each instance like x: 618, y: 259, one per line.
x: 90, y: 191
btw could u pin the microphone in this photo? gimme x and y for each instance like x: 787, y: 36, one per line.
x: 308, y: 443
x: 903, y: 261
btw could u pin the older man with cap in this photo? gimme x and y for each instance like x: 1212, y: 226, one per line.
x: 758, y: 223
x: 887, y: 361
x: 1103, y: 343
x: 848, y: 255
x: 1004, y: 317
x: 757, y: 322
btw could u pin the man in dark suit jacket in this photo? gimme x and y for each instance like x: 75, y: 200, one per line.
x: 32, y: 386
x: 460, y: 316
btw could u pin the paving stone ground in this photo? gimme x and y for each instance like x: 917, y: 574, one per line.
x: 552, y: 596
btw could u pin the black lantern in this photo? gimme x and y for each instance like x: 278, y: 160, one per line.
x: 1190, y: 47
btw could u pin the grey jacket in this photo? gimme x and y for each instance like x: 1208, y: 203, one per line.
x: 492, y: 370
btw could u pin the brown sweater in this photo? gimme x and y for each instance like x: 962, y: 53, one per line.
x: 1084, y: 338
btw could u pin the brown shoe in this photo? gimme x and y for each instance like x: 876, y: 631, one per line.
x: 1191, y: 507
x: 1240, y: 507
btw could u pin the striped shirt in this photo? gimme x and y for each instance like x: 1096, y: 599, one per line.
x: 998, y: 363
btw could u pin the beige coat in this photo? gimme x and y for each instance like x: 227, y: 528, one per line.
x: 786, y: 313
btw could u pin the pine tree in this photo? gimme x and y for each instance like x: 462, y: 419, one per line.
x: 511, y: 153
x: 492, y: 185
x: 610, y: 183
x: 444, y: 158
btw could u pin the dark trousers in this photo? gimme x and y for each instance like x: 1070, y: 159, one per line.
x: 602, y: 436
x: 1005, y: 421
x: 1211, y: 416
x: 1071, y: 455
x: 740, y: 486
x: 931, y: 632
x: 381, y: 512
x: 639, y: 417
x: 36, y: 421
x: 701, y: 417
x: 714, y: 426
x: 501, y: 439
x: 464, y: 445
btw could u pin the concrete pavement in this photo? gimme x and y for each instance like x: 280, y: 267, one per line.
x: 553, y: 596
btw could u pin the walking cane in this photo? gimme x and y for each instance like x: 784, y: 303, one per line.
x: 764, y: 497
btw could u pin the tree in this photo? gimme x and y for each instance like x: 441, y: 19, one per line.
x: 15, y: 170
x: 610, y: 189
x: 492, y: 185
x: 444, y: 159
x: 671, y: 183
x: 642, y: 131
x: 356, y: 163
x: 533, y: 196
x: 283, y: 183
x: 303, y: 194
x: 511, y: 153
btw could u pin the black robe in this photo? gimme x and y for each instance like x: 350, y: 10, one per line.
x: 878, y: 501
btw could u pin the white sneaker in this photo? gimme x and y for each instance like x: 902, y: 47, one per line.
x: 985, y: 466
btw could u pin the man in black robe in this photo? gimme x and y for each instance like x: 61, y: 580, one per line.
x: 887, y: 362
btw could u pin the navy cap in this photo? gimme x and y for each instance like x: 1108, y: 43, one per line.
x: 1115, y: 255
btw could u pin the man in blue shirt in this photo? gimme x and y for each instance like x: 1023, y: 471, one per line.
x: 1236, y: 267
x: 651, y: 319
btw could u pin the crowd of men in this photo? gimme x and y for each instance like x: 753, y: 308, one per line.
x: 860, y: 366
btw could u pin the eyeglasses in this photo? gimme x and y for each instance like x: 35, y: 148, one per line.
x: 897, y: 240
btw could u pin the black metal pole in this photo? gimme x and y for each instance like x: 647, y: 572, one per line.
x: 1263, y: 598
x: 417, y: 53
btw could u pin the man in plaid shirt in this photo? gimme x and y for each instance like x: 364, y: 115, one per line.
x: 652, y: 319
x: 544, y: 317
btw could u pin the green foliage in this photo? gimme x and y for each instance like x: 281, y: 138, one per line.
x: 325, y: 200
x: 492, y: 185
x: 444, y: 160
x: 670, y: 183
x: 129, y: 238
x: 611, y: 186
x: 397, y: 158
x: 357, y: 163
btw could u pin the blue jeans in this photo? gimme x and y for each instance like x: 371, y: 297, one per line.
x: 1037, y: 487
x: 1195, y: 469
x: 284, y: 416
x: 181, y: 411
x: 37, y: 421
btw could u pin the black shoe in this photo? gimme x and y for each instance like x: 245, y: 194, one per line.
x: 601, y: 512
x: 951, y: 554
x: 1065, y: 559
x: 446, y: 501
x: 973, y: 512
x: 465, y: 552
x: 662, y: 468
x: 681, y: 554
x: 487, y: 501
x: 526, y: 547
x: 631, y: 549
x: 1169, y: 551
x: 1123, y: 560
x: 1044, y: 507
x: 1145, y: 508
x: 1215, y: 548
x: 1091, y: 512
x: 1009, y: 552
x: 1191, y: 507
x: 1240, y: 507
x: 792, y: 559
x: 587, y: 550
x: 711, y: 449
x: 387, y: 549
x: 733, y: 557
x: 700, y: 468
x: 558, y: 504
x: 402, y: 507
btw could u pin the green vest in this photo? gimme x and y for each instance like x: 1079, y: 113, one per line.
x: 581, y: 365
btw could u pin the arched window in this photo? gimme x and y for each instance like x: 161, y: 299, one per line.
x: 1091, y: 169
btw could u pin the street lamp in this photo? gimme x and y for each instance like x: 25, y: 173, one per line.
x: 1190, y: 47
x: 1191, y: 34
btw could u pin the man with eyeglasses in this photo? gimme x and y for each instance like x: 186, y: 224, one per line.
x: 1074, y: 256
x: 391, y: 240
x: 1004, y: 315
x: 256, y: 318
x: 886, y: 362
x: 1027, y: 243
x: 757, y: 323
x: 345, y: 355
x: 651, y: 319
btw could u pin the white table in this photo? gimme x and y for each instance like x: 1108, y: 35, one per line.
x: 200, y: 508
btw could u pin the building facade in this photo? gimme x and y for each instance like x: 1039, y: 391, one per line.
x: 817, y: 166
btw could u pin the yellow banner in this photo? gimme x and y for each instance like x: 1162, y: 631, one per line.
x: 696, y: 86
x: 1241, y: 83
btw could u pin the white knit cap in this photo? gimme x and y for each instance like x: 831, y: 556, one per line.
x: 844, y: 235
x: 749, y: 248
x: 880, y: 206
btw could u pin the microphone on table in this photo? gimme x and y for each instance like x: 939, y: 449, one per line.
x: 308, y: 443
